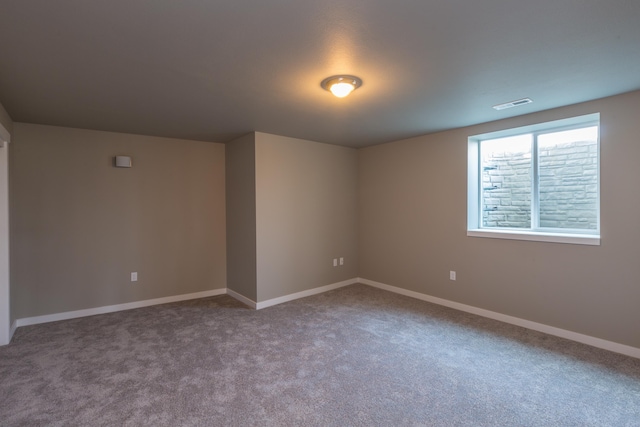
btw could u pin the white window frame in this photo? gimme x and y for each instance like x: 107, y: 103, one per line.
x: 536, y: 233
x: 5, y: 317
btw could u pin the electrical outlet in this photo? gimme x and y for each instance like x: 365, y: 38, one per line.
x: 134, y: 276
x: 452, y: 275
x: 335, y: 262
x: 341, y: 260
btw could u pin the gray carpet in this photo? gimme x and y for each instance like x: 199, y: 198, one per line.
x: 356, y: 356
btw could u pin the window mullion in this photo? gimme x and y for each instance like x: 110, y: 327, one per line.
x: 479, y: 187
x: 535, y: 187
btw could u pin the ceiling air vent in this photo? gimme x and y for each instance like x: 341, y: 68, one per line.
x: 522, y: 101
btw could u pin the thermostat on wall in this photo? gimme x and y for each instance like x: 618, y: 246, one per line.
x: 123, y: 161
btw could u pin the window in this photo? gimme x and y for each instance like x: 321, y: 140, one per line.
x: 538, y: 182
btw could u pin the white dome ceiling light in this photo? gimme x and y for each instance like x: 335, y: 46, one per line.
x: 341, y: 85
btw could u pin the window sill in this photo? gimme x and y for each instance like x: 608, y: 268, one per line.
x: 573, y: 239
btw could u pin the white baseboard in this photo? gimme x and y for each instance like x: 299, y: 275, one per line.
x: 12, y: 331
x: 113, y: 308
x: 302, y: 294
x: 251, y: 303
x: 139, y: 304
x: 279, y: 300
x: 27, y: 321
x: 551, y: 330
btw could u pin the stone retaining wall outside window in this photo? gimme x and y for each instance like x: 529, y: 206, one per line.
x: 568, y: 187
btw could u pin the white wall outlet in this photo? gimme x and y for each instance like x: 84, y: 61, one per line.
x: 335, y: 262
x: 341, y: 260
x: 134, y: 276
x: 452, y: 275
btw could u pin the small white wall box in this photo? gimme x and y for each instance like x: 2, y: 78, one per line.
x: 123, y: 162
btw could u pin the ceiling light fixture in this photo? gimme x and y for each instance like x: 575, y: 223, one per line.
x: 511, y: 104
x: 341, y: 86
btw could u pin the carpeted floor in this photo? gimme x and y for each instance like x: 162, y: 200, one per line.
x: 356, y: 356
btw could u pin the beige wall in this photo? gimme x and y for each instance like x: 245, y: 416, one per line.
x: 5, y: 120
x: 79, y: 226
x: 396, y: 212
x: 241, y: 215
x: 306, y: 214
x: 412, y: 228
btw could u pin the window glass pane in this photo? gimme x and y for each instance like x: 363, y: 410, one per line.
x: 506, y: 182
x: 568, y: 179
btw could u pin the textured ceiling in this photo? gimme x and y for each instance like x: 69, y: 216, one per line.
x: 214, y: 70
